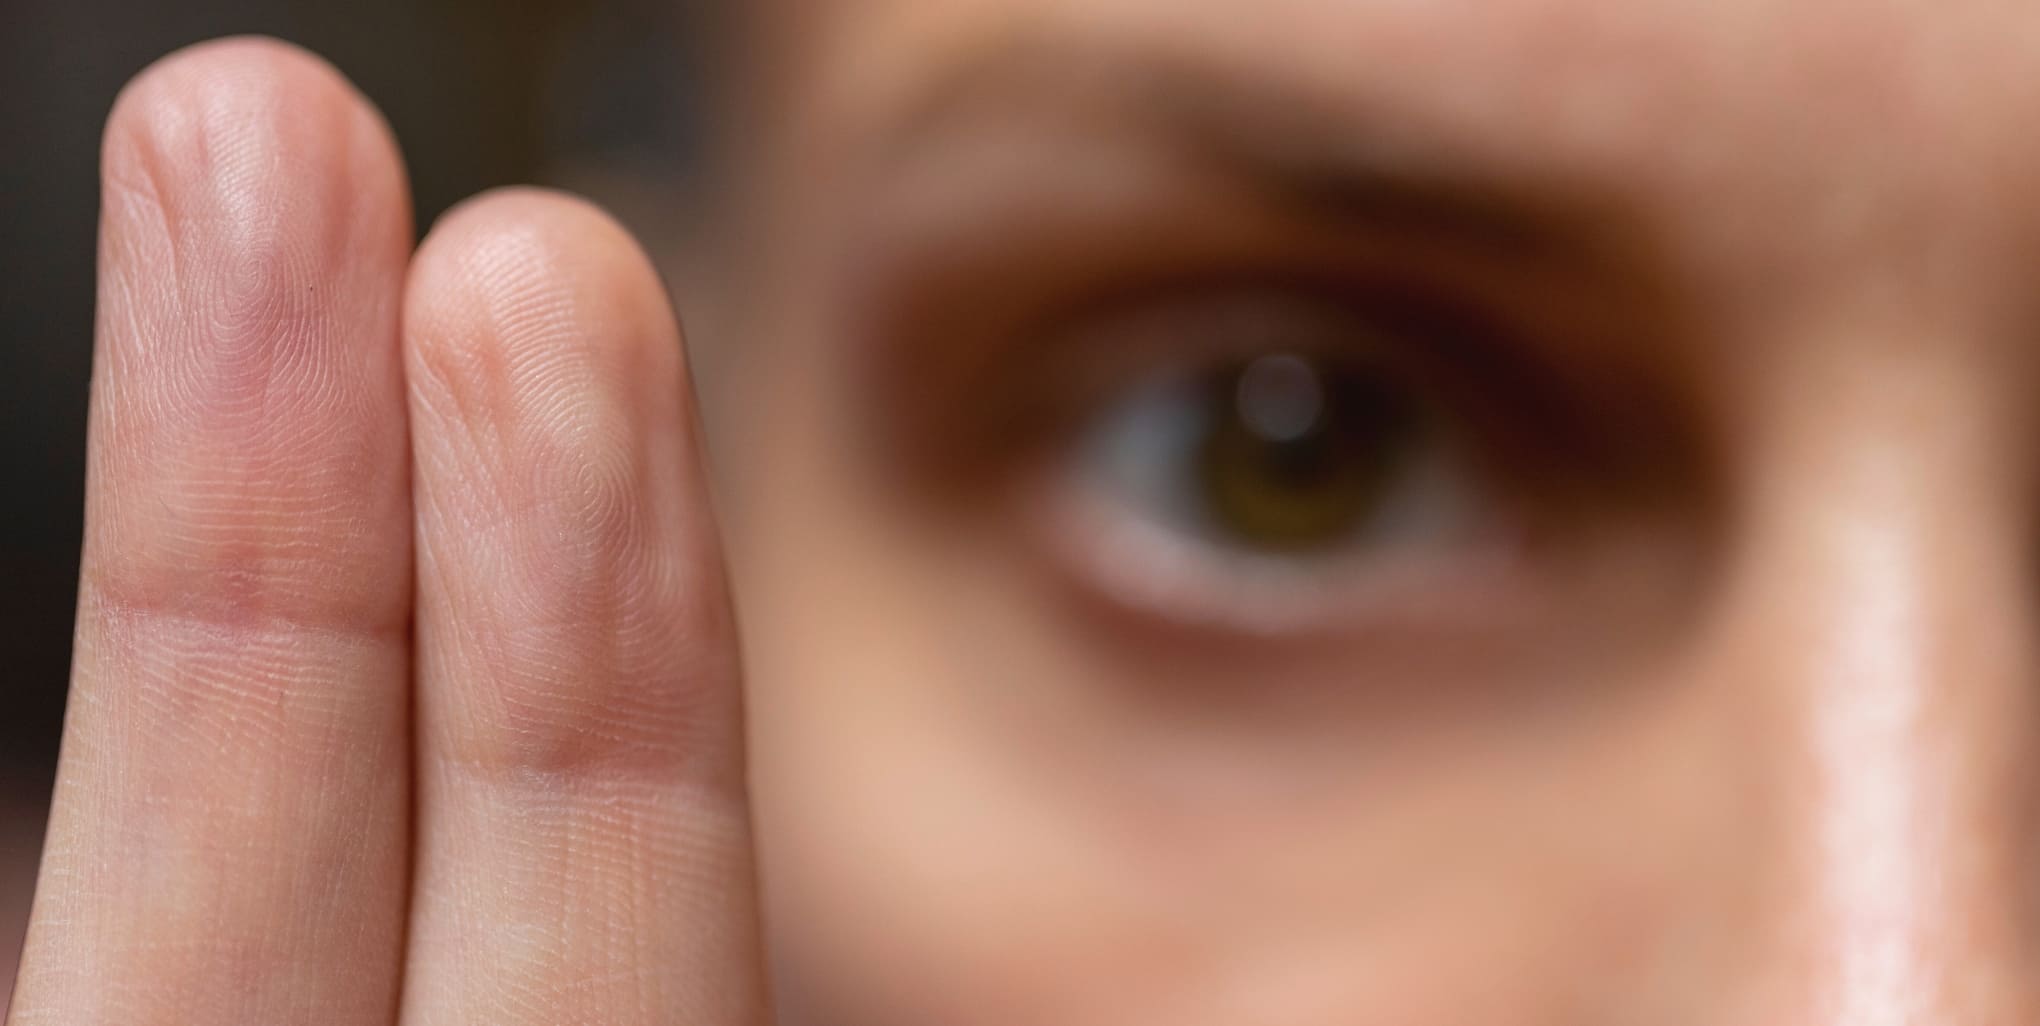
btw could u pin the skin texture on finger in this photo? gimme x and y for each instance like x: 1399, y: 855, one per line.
x: 229, y: 838
x: 584, y: 851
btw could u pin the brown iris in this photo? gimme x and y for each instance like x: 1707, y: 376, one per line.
x: 1299, y: 453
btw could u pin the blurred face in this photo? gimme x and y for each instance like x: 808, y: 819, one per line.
x: 1311, y: 512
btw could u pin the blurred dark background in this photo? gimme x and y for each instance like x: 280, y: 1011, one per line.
x: 606, y: 96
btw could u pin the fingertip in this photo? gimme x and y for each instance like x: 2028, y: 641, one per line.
x: 486, y: 242
x: 220, y: 131
x: 501, y: 272
x: 221, y: 77
x: 255, y: 232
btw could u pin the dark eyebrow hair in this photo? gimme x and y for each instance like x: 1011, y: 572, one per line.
x: 1335, y: 160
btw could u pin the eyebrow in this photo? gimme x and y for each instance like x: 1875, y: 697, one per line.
x: 1345, y: 160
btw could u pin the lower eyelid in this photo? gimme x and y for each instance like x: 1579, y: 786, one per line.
x: 1147, y: 569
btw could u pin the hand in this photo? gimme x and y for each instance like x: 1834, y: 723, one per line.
x: 405, y: 687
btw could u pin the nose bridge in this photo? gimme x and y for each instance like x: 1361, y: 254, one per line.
x: 1884, y: 620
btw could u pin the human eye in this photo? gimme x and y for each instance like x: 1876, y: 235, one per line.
x: 1283, y: 456
x: 1257, y: 457
x: 1153, y: 397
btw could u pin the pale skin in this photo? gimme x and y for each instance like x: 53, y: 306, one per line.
x: 409, y: 689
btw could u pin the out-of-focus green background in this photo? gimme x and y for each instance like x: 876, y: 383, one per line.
x: 606, y: 95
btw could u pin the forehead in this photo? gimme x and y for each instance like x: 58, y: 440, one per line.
x: 1914, y: 51
x: 1866, y: 120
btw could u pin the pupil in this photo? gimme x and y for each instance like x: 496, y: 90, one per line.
x: 1280, y: 398
x: 1298, y: 454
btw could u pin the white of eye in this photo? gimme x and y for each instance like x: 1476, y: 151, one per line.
x: 1140, y: 454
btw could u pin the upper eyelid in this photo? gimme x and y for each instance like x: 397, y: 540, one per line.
x: 1452, y: 353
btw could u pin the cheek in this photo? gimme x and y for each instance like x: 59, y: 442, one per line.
x: 968, y: 815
